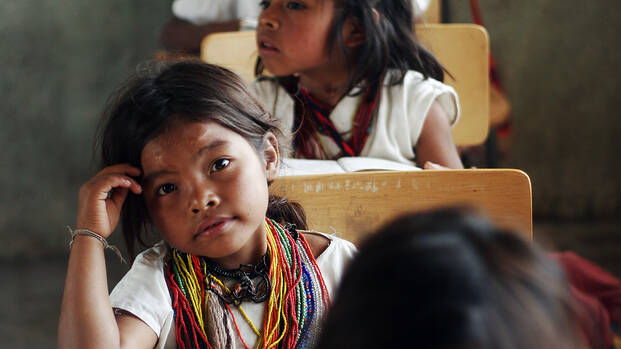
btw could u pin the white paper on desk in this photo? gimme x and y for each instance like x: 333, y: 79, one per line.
x: 297, y: 167
x: 360, y: 163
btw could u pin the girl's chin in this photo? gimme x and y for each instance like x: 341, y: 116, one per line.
x: 276, y: 70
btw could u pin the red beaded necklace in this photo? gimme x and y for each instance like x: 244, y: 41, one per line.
x: 313, y: 118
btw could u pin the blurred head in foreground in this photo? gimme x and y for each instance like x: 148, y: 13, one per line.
x: 449, y: 279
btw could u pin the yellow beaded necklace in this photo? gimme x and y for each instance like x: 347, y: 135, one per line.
x: 296, y: 300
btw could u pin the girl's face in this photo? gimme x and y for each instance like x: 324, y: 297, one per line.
x: 291, y: 36
x: 205, y: 188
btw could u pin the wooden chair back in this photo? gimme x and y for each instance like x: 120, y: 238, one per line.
x: 236, y: 51
x: 463, y: 49
x: 355, y: 204
x: 433, y: 14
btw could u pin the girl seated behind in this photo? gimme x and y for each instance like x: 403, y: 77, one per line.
x: 188, y: 152
x: 449, y: 279
x: 349, y: 79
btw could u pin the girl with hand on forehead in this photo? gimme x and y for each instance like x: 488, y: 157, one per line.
x: 348, y: 78
x: 188, y: 153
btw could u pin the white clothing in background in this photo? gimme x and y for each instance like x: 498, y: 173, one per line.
x: 420, y: 6
x: 207, y: 11
x: 395, y: 129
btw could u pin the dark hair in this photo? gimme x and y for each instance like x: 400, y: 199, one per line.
x: 160, y: 95
x: 288, y: 213
x: 449, y: 279
x: 389, y: 43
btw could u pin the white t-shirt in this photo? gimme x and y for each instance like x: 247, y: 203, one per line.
x: 206, y: 11
x: 420, y: 6
x: 394, y: 131
x: 144, y: 293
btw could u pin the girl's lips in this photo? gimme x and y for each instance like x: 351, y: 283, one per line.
x: 213, y: 227
x: 265, y: 47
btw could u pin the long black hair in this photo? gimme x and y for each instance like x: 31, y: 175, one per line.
x: 389, y: 43
x: 449, y: 279
x: 161, y: 94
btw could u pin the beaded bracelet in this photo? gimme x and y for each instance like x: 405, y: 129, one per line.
x: 101, y: 239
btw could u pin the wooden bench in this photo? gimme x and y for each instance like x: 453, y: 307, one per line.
x: 355, y: 204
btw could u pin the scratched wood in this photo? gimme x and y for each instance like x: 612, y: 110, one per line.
x: 463, y: 49
x: 355, y: 204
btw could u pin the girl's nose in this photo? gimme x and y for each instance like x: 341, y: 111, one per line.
x: 267, y: 20
x: 204, y: 200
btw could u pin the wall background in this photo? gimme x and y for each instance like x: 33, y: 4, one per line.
x: 558, y: 64
x: 61, y: 59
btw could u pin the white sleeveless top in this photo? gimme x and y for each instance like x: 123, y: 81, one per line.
x: 143, y: 291
x: 394, y: 133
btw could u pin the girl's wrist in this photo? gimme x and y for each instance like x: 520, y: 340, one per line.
x: 86, y: 234
x: 86, y: 242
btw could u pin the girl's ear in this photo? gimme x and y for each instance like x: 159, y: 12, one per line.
x: 353, y: 32
x: 271, y: 156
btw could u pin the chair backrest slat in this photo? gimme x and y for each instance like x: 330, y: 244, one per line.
x: 355, y: 204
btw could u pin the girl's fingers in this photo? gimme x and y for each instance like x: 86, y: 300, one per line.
x: 121, y: 181
x: 101, y: 198
x: 118, y: 196
x: 108, y: 184
x: 433, y: 166
x: 129, y: 172
x: 135, y: 187
x: 118, y: 176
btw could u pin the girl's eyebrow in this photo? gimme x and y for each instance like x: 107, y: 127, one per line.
x: 149, y: 178
x: 152, y: 176
x: 212, y: 145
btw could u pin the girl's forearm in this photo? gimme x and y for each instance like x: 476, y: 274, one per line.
x: 435, y: 142
x: 86, y: 316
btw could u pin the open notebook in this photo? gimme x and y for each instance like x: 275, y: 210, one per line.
x: 297, y: 167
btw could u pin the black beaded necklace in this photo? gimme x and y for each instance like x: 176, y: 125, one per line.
x: 252, y: 281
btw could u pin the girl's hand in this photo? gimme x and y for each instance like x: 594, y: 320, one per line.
x: 101, y: 198
x: 433, y: 166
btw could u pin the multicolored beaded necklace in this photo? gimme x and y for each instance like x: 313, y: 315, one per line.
x: 293, y: 290
x: 313, y: 118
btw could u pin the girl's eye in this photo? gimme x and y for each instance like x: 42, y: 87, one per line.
x: 219, y: 164
x: 166, y: 189
x: 294, y: 5
x: 264, y: 4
